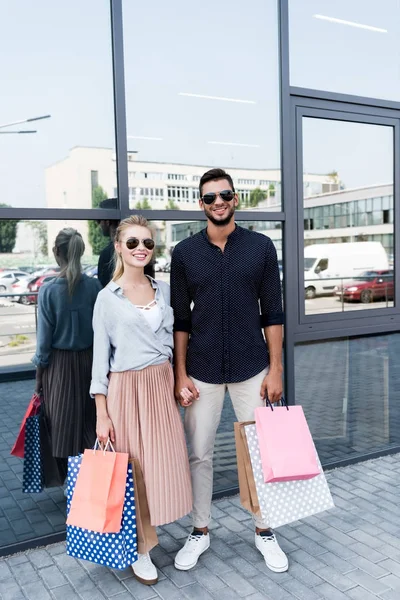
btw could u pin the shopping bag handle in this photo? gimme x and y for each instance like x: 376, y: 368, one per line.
x: 282, y: 402
x: 100, y: 445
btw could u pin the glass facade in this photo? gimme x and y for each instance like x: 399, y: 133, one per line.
x: 121, y: 107
x: 364, y: 63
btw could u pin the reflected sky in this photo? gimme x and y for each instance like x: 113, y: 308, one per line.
x: 354, y: 49
x: 57, y: 60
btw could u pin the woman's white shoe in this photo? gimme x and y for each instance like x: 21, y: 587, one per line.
x: 144, y: 570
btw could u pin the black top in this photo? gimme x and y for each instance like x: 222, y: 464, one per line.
x: 105, y: 267
x: 227, y: 290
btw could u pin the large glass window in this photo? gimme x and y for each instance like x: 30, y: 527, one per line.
x: 349, y: 391
x: 57, y: 113
x: 205, y: 93
x: 348, y: 256
x: 346, y: 47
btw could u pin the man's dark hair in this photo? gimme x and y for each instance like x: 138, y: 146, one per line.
x: 214, y: 175
x: 109, y: 203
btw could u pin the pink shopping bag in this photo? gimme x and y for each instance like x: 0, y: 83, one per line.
x: 286, y: 446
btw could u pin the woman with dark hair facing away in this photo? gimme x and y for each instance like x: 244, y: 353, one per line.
x: 64, y: 351
x: 133, y: 381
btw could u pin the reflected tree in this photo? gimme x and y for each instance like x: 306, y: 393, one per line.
x: 40, y: 231
x: 96, y: 238
x: 8, y: 232
x: 171, y: 205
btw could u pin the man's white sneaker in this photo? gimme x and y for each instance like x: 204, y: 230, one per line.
x: 195, y: 545
x: 144, y: 570
x: 274, y: 557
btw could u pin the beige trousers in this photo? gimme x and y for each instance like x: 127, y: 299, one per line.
x: 201, y: 423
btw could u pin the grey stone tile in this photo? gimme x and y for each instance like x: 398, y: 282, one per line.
x: 238, y: 583
x: 343, y: 566
x: 166, y: 590
x: 24, y: 573
x: 391, y: 581
x: 243, y: 567
x: 300, y: 591
x: 52, y: 577
x: 36, y: 591
x: 179, y: 578
x: 359, y: 593
x: 217, y: 566
x: 373, y: 569
x: 40, y: 558
x: 335, y: 578
x: 196, y: 592
x: 329, y: 592
x: 65, y: 592
x: 375, y: 586
x: 207, y: 579
x: 369, y: 553
x: 108, y: 583
x: 144, y: 592
x: 271, y: 589
x: 5, y: 572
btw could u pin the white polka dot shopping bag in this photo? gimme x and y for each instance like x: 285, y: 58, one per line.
x: 115, y: 550
x: 284, y: 502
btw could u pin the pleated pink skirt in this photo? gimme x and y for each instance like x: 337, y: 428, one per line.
x: 148, y: 426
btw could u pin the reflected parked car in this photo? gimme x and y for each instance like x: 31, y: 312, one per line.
x: 8, y: 277
x: 36, y: 283
x: 91, y: 271
x: 369, y: 286
x: 21, y: 287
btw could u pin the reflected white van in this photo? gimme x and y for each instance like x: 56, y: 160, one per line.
x: 329, y: 265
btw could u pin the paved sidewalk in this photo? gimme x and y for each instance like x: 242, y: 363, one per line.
x: 351, y: 552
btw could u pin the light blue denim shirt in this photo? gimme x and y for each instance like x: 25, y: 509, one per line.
x: 123, y: 339
x: 64, y: 323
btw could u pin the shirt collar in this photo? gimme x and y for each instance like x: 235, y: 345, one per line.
x: 235, y: 233
x: 115, y: 287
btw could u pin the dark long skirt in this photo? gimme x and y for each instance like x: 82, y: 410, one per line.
x: 70, y: 411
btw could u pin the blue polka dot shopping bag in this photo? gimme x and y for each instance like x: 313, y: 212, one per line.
x: 115, y: 550
x: 32, y: 477
x: 40, y: 467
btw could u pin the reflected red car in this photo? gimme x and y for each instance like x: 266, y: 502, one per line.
x: 35, y: 284
x: 369, y: 286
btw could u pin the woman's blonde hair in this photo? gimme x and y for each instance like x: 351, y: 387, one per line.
x: 137, y: 220
x: 70, y: 247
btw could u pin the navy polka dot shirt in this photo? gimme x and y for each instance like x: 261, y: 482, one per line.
x: 218, y: 296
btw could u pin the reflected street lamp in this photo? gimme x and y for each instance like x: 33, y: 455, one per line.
x: 20, y: 122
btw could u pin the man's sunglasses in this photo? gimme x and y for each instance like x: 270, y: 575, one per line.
x: 132, y: 243
x: 225, y: 195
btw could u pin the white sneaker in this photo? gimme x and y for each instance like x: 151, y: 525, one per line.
x: 194, y: 547
x: 144, y: 570
x: 274, y: 556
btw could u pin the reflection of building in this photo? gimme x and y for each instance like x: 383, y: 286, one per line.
x: 156, y: 185
x: 330, y: 215
x: 178, y: 231
x: 362, y: 214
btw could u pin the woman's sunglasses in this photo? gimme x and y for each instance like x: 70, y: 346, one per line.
x: 225, y: 195
x: 132, y: 243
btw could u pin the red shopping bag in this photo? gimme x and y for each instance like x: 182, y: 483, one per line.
x: 31, y: 411
x: 286, y: 446
x: 99, y: 493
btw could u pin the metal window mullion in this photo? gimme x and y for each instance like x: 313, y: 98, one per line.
x: 121, y: 148
x: 289, y: 229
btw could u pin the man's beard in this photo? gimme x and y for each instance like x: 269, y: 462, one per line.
x: 221, y: 222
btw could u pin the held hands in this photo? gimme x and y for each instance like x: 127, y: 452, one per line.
x: 271, y: 386
x: 105, y: 429
x: 185, y: 391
